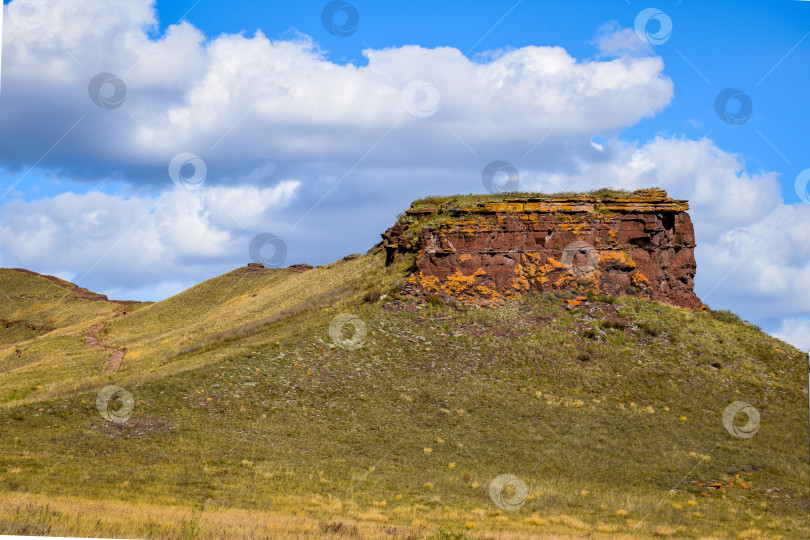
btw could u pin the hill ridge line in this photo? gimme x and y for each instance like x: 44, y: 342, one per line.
x: 79, y: 292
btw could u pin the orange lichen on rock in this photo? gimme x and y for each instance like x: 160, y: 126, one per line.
x: 429, y: 283
x: 616, y: 259
x: 576, y: 223
x: 639, y: 280
x: 457, y: 284
x: 521, y: 283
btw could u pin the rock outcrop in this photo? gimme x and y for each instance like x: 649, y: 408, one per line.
x: 484, y: 248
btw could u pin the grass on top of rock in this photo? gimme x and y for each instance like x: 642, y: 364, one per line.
x: 456, y: 202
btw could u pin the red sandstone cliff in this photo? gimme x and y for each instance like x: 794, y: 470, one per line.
x: 638, y: 243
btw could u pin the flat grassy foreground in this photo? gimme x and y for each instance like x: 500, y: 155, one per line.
x: 250, y: 421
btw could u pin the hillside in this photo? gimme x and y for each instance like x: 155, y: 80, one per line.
x: 249, y: 419
x: 43, y: 343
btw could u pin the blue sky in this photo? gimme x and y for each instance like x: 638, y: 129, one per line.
x: 319, y: 139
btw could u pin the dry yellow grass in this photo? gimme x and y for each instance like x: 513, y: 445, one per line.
x: 158, y: 338
x: 72, y: 516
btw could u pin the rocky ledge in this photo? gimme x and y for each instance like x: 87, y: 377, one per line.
x: 488, y: 248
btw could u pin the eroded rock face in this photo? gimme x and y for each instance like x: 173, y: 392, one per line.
x: 641, y: 243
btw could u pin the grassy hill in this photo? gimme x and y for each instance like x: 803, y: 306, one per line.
x: 250, y: 421
x: 42, y: 342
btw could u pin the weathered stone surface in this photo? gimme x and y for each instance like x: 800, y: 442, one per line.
x: 641, y: 243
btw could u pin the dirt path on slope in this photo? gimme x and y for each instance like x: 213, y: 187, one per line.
x: 116, y: 355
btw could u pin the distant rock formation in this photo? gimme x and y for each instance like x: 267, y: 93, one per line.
x: 487, y: 248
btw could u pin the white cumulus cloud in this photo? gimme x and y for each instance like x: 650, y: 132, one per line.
x: 243, y: 102
x: 178, y: 237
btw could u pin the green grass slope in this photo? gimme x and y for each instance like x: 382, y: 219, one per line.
x: 229, y: 307
x: 250, y: 421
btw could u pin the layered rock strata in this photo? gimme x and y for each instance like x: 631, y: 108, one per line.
x: 639, y: 243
